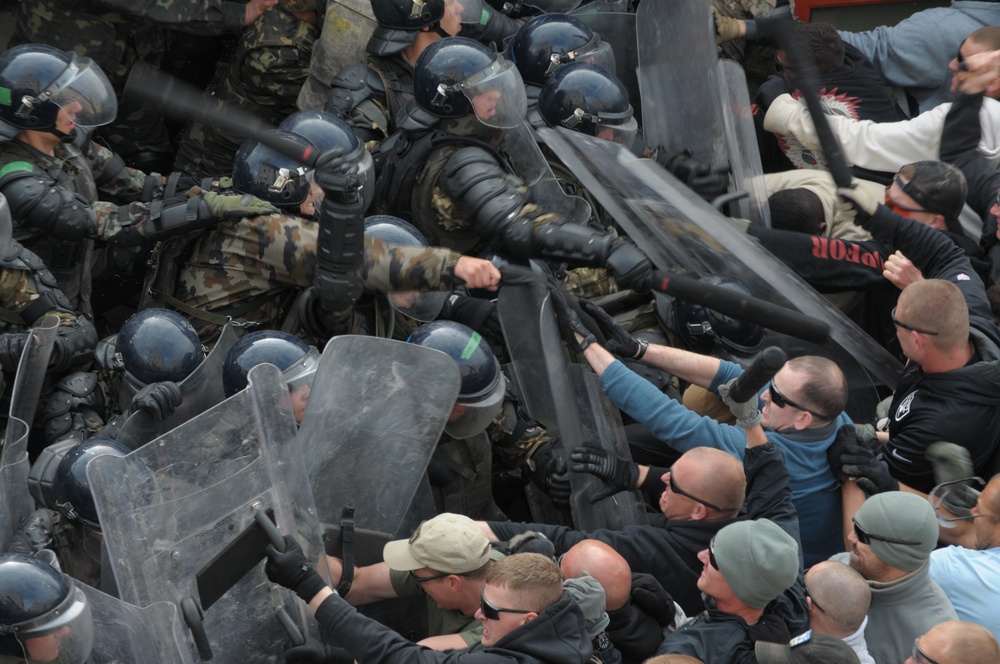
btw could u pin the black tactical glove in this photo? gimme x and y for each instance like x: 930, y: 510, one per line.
x: 337, y: 176
x: 767, y: 29
x: 648, y: 594
x: 291, y: 570
x: 531, y: 542
x: 158, y: 399
x: 547, y: 469
x: 870, y: 469
x: 570, y: 325
x: 629, y: 266
x: 617, y: 473
x: 314, y: 652
x: 475, y: 312
x: 769, y: 628
x: 846, y: 435
x: 619, y: 341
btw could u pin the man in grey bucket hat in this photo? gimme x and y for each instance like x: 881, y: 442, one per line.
x: 894, y: 534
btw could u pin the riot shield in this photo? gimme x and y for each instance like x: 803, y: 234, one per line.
x: 184, y: 517
x: 375, y: 435
x: 521, y: 147
x: 678, y: 80
x: 124, y: 633
x: 741, y: 138
x: 201, y: 390
x: 348, y: 26
x: 678, y: 230
x: 16, y: 501
x: 618, y: 29
x: 567, y: 400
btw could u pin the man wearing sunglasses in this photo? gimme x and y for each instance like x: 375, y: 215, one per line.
x: 955, y: 642
x: 890, y: 545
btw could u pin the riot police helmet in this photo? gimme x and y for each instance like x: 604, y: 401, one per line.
x: 158, y: 345
x: 591, y: 100
x: 707, y: 331
x: 527, y: 8
x: 457, y: 76
x: 263, y: 172
x: 419, y: 305
x: 283, y: 350
x: 550, y: 41
x: 483, y: 386
x: 71, y: 487
x: 399, y: 21
x: 39, y: 81
x: 44, y: 616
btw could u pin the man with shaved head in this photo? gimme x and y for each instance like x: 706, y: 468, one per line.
x: 838, y: 598
x: 956, y: 642
x: 638, y: 606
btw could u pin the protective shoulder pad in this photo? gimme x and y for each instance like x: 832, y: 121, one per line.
x: 351, y: 86
x: 15, y: 170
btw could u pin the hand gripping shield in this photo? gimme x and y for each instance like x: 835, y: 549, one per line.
x: 186, y: 519
x: 680, y: 232
x: 17, y: 502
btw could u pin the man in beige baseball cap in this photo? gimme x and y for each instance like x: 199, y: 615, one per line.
x: 446, y: 560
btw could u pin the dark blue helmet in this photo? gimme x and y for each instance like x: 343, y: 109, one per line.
x: 588, y: 99
x: 40, y: 80
x: 264, y: 347
x: 37, y: 601
x: 72, y: 488
x: 483, y: 385
x: 159, y: 345
x: 707, y: 331
x: 525, y: 8
x: 547, y: 42
x: 392, y: 229
x: 262, y: 172
x: 457, y: 76
x: 419, y: 305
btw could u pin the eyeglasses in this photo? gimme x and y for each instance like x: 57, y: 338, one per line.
x: 432, y: 577
x: 896, y: 207
x: 810, y: 596
x: 676, y: 489
x: 919, y: 656
x: 780, y: 400
x: 962, y: 66
x: 492, y: 611
x: 711, y: 555
x: 866, y: 538
x: 903, y: 325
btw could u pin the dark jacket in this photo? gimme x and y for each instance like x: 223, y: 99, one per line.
x: 557, y: 636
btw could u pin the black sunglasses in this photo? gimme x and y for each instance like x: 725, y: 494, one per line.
x: 780, y: 400
x: 492, y: 611
x: 961, y: 61
x: 919, y: 656
x: 711, y: 555
x: 903, y: 325
x: 866, y: 538
x: 676, y: 489
x: 432, y: 577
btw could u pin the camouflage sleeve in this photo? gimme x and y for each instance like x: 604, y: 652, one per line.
x: 390, y: 267
x: 110, y: 217
x: 514, y: 438
x: 273, y: 75
x: 199, y: 17
x: 124, y: 182
x: 17, y: 291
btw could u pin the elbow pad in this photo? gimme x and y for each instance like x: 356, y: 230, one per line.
x: 483, y: 192
x: 42, y: 205
x: 74, y: 346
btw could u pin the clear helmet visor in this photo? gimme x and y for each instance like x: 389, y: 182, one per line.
x: 83, y: 91
x: 471, y: 418
x: 303, y: 370
x: 953, y: 500
x: 596, y: 52
x: 461, y: 11
x: 622, y: 133
x: 497, y: 95
x: 63, y: 636
x: 423, y: 306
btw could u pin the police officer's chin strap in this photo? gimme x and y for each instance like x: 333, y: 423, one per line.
x: 340, y: 246
x: 63, y: 136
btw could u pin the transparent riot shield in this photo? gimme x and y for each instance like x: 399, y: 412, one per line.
x: 741, y: 139
x: 530, y: 165
x: 567, y: 400
x: 186, y: 519
x: 201, y: 390
x: 375, y: 414
x: 16, y: 501
x: 618, y: 29
x: 680, y: 231
x: 678, y: 79
x: 124, y: 633
x: 348, y: 26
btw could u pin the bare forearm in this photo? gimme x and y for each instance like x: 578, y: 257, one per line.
x: 688, y: 366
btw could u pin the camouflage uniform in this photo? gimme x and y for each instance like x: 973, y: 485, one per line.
x: 252, y: 269
x: 757, y: 59
x: 67, y: 249
x: 264, y: 77
x: 115, y: 41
